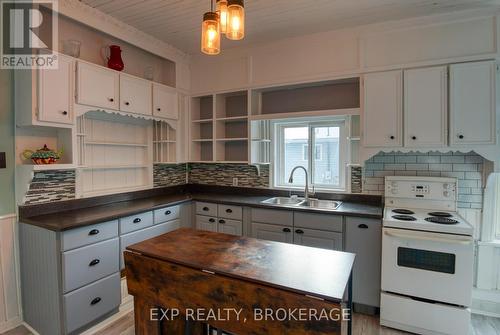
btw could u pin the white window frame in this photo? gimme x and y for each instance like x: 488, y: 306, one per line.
x: 279, y: 180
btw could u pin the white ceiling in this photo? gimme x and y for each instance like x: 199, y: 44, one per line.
x: 178, y: 22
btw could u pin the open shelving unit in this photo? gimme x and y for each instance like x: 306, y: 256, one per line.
x: 164, y: 143
x: 202, y: 134
x: 116, y: 153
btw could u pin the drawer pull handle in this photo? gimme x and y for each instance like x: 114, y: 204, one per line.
x: 222, y: 221
x: 95, y: 301
x: 211, y: 220
x: 392, y: 137
x: 93, y: 232
x: 414, y: 138
x: 137, y: 220
x: 229, y: 210
x: 65, y: 113
x: 111, y: 99
x: 127, y: 103
x: 94, y: 262
x: 205, y: 209
x: 299, y: 231
x: 286, y: 230
x: 363, y: 226
x: 168, y: 212
x: 461, y: 137
x: 158, y: 109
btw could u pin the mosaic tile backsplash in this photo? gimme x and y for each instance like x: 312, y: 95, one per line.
x: 48, y: 186
x: 169, y: 174
x: 468, y: 168
x: 223, y: 174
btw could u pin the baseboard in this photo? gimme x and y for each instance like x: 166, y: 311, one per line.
x: 11, y: 324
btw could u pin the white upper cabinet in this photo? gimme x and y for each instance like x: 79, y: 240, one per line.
x: 383, y: 122
x: 55, y: 93
x: 135, y: 95
x: 97, y: 86
x: 165, y: 102
x: 425, y: 107
x: 472, y: 103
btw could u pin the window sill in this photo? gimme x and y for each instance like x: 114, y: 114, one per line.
x: 316, y: 190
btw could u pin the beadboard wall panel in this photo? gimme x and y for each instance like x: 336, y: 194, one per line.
x: 10, y: 296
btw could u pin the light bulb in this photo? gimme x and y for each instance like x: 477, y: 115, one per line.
x: 221, y: 9
x: 210, y: 34
x: 235, y: 20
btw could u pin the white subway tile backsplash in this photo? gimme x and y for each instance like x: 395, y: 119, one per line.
x: 453, y: 159
x: 405, y: 159
x: 465, y: 167
x: 394, y: 167
x: 429, y: 159
x: 419, y: 167
x: 440, y: 167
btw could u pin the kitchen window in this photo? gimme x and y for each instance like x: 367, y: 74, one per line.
x: 320, y: 146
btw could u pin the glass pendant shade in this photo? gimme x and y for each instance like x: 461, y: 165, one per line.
x: 235, y: 20
x: 210, y: 34
x: 221, y: 9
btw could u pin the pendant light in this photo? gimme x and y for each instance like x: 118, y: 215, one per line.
x: 210, y: 32
x: 235, y: 20
x: 221, y: 10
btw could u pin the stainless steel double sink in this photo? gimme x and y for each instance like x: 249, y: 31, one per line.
x: 301, y: 202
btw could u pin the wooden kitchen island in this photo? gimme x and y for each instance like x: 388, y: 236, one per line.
x: 186, y: 281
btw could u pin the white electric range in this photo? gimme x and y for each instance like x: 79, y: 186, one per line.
x: 427, y: 257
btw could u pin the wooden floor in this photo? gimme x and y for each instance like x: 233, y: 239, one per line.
x: 362, y: 325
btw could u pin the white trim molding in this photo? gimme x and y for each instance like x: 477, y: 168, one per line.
x: 10, y: 288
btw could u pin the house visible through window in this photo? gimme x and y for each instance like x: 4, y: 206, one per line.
x: 319, y: 146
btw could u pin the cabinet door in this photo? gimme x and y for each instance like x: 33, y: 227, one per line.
x: 317, y: 238
x: 472, y: 103
x: 135, y: 95
x: 165, y: 102
x: 425, y: 107
x: 383, y: 121
x: 364, y: 238
x: 97, y: 86
x: 232, y: 227
x: 272, y: 232
x: 55, y: 93
x: 206, y: 223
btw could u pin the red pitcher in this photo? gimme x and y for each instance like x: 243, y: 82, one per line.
x: 115, y: 61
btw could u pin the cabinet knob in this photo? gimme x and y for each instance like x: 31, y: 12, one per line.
x: 94, y: 262
x: 158, y: 109
x: 222, y: 221
x: 392, y: 137
x: 211, y: 220
x: 65, y: 112
x: 168, y: 212
x: 111, y: 99
x: 461, y: 136
x: 286, y: 230
x: 363, y: 226
x: 127, y: 103
x: 93, y: 232
x: 137, y: 220
x: 299, y: 231
x: 414, y: 137
x: 205, y: 209
x: 95, y: 301
x: 229, y: 210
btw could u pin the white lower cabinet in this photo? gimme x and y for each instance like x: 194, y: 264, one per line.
x: 208, y: 223
x: 232, y: 227
x: 228, y: 221
x: 317, y: 238
x: 272, y: 232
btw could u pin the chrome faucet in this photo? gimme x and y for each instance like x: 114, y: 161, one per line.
x: 306, y: 190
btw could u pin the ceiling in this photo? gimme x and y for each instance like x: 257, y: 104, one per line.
x: 178, y: 22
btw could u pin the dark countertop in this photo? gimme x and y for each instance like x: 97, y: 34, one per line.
x: 281, y: 265
x: 72, y: 214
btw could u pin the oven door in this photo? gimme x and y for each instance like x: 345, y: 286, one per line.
x: 427, y: 265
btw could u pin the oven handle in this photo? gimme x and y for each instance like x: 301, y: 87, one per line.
x: 429, y: 236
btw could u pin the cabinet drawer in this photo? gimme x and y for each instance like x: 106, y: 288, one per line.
x: 317, y: 238
x: 206, y: 223
x: 284, y: 218
x: 206, y: 208
x: 87, y: 264
x: 230, y: 212
x: 271, y: 232
x: 166, y: 214
x: 91, y: 302
x: 145, y: 234
x: 136, y: 222
x: 232, y: 227
x: 328, y: 222
x: 79, y: 237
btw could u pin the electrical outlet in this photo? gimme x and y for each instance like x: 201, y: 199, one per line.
x: 3, y: 161
x: 235, y: 181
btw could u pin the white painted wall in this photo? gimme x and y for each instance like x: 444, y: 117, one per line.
x: 10, y: 299
x: 439, y: 39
